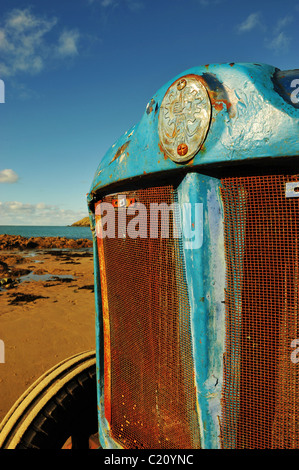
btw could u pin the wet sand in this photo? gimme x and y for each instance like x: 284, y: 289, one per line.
x: 46, y: 314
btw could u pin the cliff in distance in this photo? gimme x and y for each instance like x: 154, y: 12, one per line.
x: 81, y: 223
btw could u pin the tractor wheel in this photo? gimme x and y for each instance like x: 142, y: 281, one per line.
x: 61, y: 405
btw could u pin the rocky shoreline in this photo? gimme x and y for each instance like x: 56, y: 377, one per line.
x: 12, y: 247
x: 16, y: 242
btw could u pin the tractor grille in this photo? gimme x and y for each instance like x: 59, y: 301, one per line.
x: 150, y: 399
x: 260, y: 400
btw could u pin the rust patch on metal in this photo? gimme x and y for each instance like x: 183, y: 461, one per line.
x: 129, y: 202
x: 219, y: 94
x: 218, y: 104
x: 162, y: 151
x: 150, y: 105
x: 120, y: 151
x: 106, y: 325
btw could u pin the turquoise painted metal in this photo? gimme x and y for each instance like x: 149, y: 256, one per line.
x: 254, y: 116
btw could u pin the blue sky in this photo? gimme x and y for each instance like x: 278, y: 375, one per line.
x: 78, y: 74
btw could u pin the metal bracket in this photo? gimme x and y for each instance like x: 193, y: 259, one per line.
x: 292, y: 189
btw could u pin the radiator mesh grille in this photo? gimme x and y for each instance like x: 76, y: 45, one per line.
x: 152, y: 390
x: 261, y: 383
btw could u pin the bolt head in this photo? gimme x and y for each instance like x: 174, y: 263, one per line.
x: 182, y: 149
x: 181, y: 84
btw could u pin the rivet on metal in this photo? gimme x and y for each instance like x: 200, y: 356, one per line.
x: 181, y: 84
x: 182, y: 149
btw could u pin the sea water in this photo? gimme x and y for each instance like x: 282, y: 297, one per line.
x: 46, y: 231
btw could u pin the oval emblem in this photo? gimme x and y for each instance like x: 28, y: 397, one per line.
x: 184, y: 118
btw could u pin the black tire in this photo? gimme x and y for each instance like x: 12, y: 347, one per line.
x: 59, y: 405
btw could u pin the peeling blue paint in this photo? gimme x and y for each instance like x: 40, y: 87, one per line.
x: 205, y: 268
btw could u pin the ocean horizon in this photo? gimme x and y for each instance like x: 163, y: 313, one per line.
x: 46, y: 231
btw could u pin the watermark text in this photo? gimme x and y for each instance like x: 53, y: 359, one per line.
x: 2, y: 91
x: 122, y: 218
x: 2, y: 352
x: 295, y: 353
x: 295, y: 93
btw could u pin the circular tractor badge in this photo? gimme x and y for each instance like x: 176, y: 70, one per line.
x: 184, y: 118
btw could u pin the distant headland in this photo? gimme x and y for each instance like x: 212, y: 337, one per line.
x: 81, y: 223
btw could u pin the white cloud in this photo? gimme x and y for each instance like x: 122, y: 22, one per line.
x: 25, y: 44
x: 283, y: 22
x: 22, y: 38
x: 8, y: 176
x: 277, y: 39
x: 279, y: 43
x: 68, y: 43
x: 206, y: 3
x: 19, y: 213
x: 251, y: 22
x: 108, y: 3
x: 280, y: 40
x: 135, y: 5
x: 132, y: 5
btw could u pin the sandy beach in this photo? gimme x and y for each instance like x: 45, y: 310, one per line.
x: 46, y: 308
